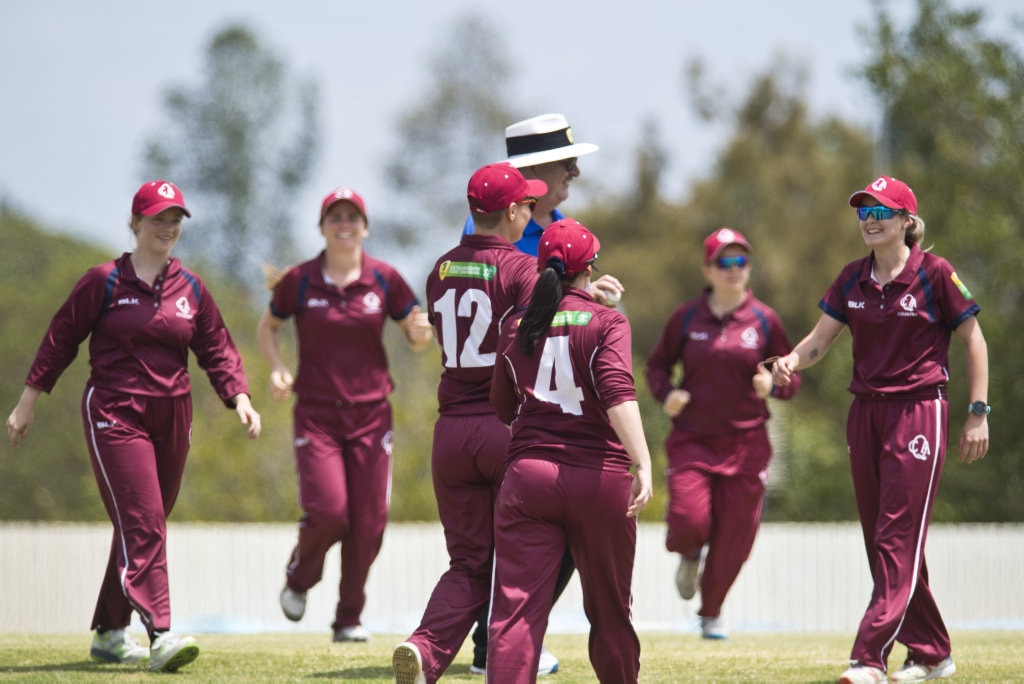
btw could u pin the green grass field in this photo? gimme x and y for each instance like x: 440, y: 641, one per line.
x: 989, y: 656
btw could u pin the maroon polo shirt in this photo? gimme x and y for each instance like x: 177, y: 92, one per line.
x: 557, y: 399
x: 719, y: 357
x: 901, y: 331
x: 471, y: 288
x: 341, y: 349
x: 140, y: 335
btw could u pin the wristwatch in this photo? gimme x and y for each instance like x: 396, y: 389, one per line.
x: 979, y: 408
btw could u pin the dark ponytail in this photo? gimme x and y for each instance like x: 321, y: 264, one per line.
x: 547, y: 295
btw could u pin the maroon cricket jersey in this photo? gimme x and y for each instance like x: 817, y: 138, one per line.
x: 339, y: 330
x: 915, y: 314
x: 470, y: 290
x: 140, y: 335
x: 557, y: 399
x: 719, y: 357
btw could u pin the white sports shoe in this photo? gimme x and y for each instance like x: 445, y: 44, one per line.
x: 293, y: 604
x: 688, y: 576
x: 862, y: 674
x: 352, y: 633
x: 170, y: 652
x: 408, y: 665
x: 713, y: 628
x: 920, y: 672
x: 115, y: 646
x: 548, y: 663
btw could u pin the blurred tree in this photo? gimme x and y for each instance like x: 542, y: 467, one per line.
x: 456, y: 126
x: 240, y: 146
x: 953, y: 110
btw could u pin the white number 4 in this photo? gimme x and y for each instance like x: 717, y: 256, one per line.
x: 555, y: 383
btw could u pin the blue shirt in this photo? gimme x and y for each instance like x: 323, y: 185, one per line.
x: 530, y: 241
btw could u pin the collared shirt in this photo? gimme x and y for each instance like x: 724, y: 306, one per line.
x: 530, y: 242
x: 719, y: 357
x: 342, y: 359
x: 140, y: 336
x: 901, y: 331
x: 557, y: 399
x: 471, y: 288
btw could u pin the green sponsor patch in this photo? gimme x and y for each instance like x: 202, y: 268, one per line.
x: 960, y: 286
x: 571, y: 318
x: 467, y: 269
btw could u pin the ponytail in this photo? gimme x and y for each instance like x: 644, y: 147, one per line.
x: 547, y: 295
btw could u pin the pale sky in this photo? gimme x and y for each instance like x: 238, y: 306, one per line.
x: 81, y: 82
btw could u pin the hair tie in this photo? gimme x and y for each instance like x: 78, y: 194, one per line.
x: 557, y: 264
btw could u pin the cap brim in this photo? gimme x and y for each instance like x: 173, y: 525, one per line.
x: 536, y: 188
x: 556, y: 154
x: 155, y: 209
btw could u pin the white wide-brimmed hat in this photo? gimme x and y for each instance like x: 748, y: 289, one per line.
x: 542, y: 139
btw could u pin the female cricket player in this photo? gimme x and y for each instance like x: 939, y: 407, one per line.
x: 564, y: 382
x: 902, y: 305
x: 143, y: 312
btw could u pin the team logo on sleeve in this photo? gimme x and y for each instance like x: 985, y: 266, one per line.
x: 960, y: 286
x: 919, y: 448
x: 184, y: 308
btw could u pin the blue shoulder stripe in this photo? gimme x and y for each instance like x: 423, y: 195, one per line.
x: 108, y: 290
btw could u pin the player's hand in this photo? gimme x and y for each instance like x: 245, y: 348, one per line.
x: 418, y: 330
x: 247, y: 414
x: 18, y: 425
x: 762, y: 381
x: 784, y: 367
x: 640, y: 492
x: 675, y: 402
x: 974, y: 439
x: 24, y: 414
x: 606, y: 290
x: 281, y: 382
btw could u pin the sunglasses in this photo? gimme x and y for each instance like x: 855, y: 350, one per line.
x: 739, y: 261
x: 529, y: 201
x: 879, y: 213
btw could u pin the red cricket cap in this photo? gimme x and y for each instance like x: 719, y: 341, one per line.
x: 495, y: 186
x: 342, y: 194
x: 569, y: 242
x: 155, y: 196
x: 719, y: 240
x: 891, y: 192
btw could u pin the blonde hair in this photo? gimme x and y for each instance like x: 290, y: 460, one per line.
x: 915, y: 231
x: 272, y: 274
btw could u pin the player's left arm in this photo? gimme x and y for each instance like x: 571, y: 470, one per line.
x: 974, y: 436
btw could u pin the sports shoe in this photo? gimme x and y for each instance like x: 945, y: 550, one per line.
x: 170, y: 652
x: 862, y: 674
x: 293, y: 604
x: 114, y: 646
x: 919, y: 672
x: 713, y: 628
x: 548, y: 663
x: 408, y: 665
x: 688, y: 576
x: 351, y: 633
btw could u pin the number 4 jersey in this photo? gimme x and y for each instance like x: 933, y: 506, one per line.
x: 470, y: 290
x: 557, y: 398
